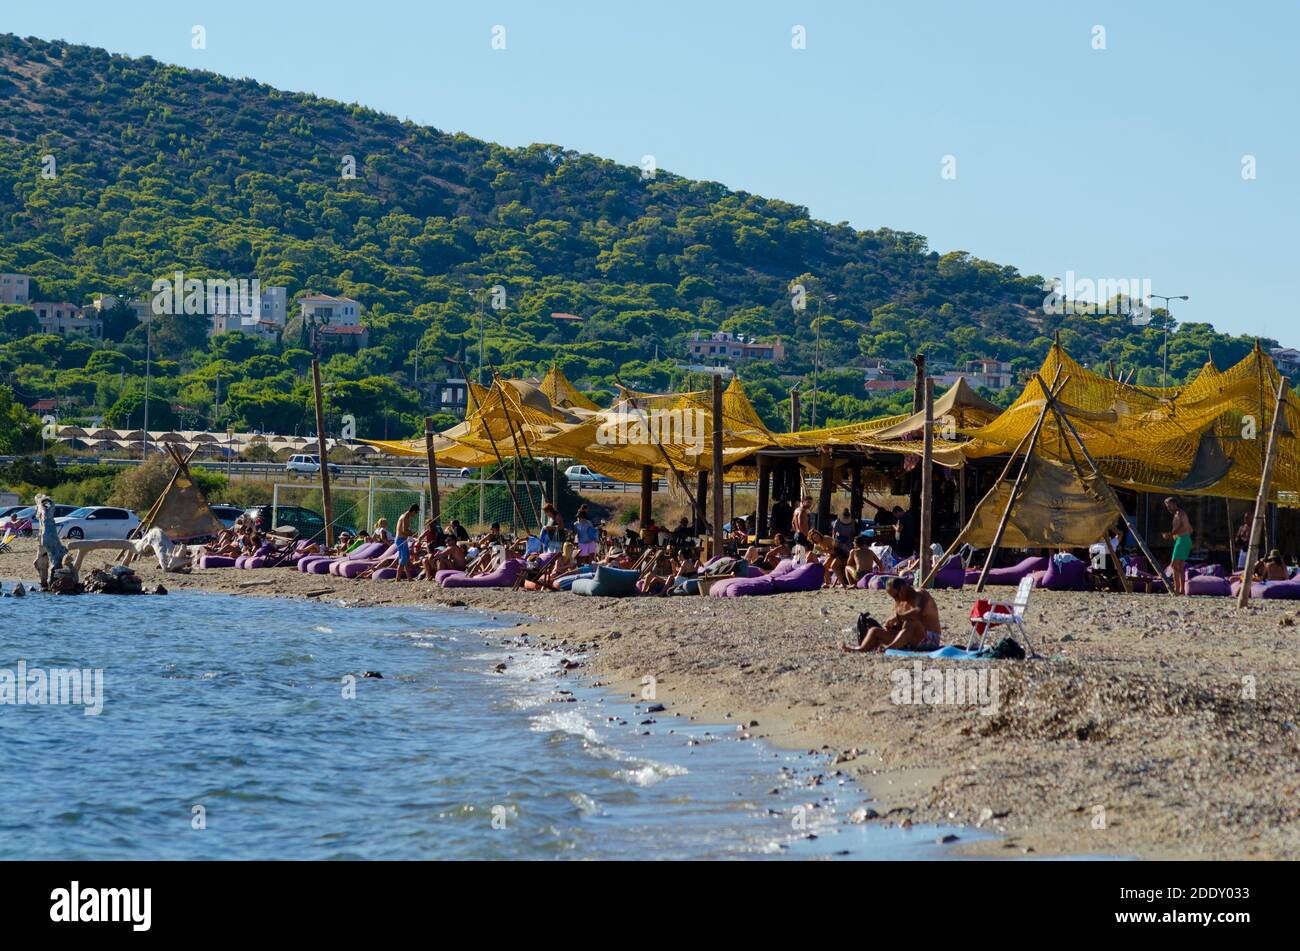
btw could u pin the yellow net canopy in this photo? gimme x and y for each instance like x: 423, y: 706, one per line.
x: 959, y: 408
x: 564, y: 394
x: 1206, y: 438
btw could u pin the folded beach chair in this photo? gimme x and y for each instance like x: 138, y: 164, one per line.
x: 984, y: 617
x: 6, y: 543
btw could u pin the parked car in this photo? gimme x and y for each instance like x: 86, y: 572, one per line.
x: 308, y: 465
x: 226, y: 514
x: 310, y: 524
x: 10, y: 510
x: 583, y: 474
x: 97, y: 521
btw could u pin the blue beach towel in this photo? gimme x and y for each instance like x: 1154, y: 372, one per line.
x: 943, y: 653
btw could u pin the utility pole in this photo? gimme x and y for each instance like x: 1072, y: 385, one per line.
x: 148, y: 354
x: 324, y: 454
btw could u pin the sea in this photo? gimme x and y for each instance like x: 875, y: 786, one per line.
x: 217, y: 726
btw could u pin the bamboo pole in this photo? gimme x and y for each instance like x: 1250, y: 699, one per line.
x: 927, y: 480
x: 717, y: 465
x: 1015, y: 488
x: 435, y: 504
x: 1261, y: 499
x: 324, y: 455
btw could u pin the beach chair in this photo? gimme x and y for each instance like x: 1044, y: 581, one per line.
x: 1011, y: 616
x: 6, y: 543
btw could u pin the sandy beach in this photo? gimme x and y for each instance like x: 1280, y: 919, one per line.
x: 1151, y: 727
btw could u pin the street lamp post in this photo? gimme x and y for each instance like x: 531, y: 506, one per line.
x: 817, y: 353
x: 1164, y: 371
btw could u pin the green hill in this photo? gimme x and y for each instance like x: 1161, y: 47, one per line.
x: 160, y: 169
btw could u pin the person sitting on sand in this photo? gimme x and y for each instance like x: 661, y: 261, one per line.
x: 862, y: 561
x: 826, y: 551
x: 1272, y: 568
x: 915, y: 623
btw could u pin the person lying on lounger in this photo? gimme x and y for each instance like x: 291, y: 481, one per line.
x: 914, y: 625
x: 861, y: 562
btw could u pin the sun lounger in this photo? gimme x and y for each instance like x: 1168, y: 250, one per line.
x: 320, y: 565
x: 502, y: 577
x: 1209, y: 585
x: 351, y: 567
x: 1271, y: 590
x: 1012, y: 575
x: 1064, y: 575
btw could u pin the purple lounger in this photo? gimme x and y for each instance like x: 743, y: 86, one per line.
x: 1271, y: 590
x: 809, y: 576
x: 1012, y: 575
x: 1209, y: 585
x: 742, y: 587
x: 502, y: 577
x: 321, y: 565
x: 951, y: 575
x: 351, y: 567
x: 216, y: 561
x: 1065, y: 576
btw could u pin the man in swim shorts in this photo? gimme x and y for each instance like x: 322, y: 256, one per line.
x: 1181, y: 534
x: 403, y: 543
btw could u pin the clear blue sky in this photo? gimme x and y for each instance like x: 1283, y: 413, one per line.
x: 1125, y: 162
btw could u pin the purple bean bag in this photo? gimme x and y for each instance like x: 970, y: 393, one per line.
x: 321, y: 565
x: 743, y: 587
x: 1209, y: 585
x: 1012, y: 575
x: 351, y: 567
x: 865, y: 580
x: 809, y: 576
x: 951, y: 575
x: 443, y: 573
x: 385, y: 574
x: 216, y: 561
x: 1271, y: 590
x: 502, y: 577
x: 1070, y: 575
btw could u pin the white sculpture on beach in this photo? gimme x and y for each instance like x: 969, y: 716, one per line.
x: 49, y: 547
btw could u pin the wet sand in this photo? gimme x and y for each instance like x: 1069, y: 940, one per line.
x: 1151, y: 727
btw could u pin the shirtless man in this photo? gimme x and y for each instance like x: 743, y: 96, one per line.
x: 862, y: 561
x: 802, y: 520
x: 403, y: 543
x: 915, y: 623
x: 1181, y: 535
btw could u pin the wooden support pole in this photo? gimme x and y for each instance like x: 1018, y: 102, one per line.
x: 435, y: 503
x: 855, y: 493
x: 826, y: 491
x: 764, y: 488
x: 927, y: 480
x: 701, y: 500
x: 1261, y: 499
x: 647, y: 484
x: 323, y: 449
x: 794, y: 411
x: 717, y: 465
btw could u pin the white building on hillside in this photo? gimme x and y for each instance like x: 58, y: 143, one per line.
x: 15, y: 289
x: 62, y: 318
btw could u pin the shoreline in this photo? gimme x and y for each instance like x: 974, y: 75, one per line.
x: 1151, y: 728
